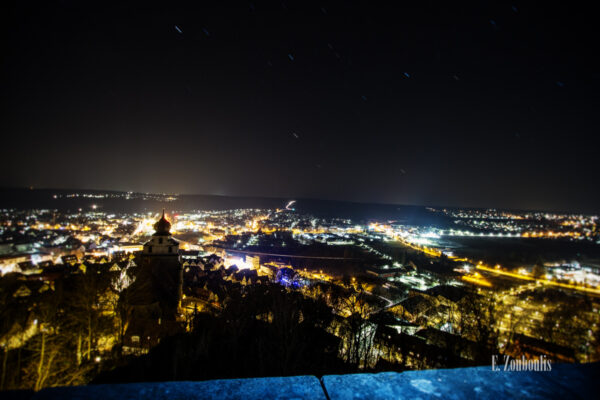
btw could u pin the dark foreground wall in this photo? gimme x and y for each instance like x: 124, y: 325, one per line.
x: 565, y: 381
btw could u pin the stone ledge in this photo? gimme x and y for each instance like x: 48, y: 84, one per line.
x: 565, y: 381
x: 292, y: 387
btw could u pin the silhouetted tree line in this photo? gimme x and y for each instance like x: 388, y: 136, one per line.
x: 51, y: 337
x: 263, y: 330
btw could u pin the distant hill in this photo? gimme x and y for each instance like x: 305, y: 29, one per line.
x: 115, y: 201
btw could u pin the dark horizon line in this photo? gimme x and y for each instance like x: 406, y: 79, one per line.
x: 32, y: 188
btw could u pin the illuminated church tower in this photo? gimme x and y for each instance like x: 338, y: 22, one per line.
x: 161, y: 277
x: 161, y: 244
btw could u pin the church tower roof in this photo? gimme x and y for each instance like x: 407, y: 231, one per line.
x: 162, y: 226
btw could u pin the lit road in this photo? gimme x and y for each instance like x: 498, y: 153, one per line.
x: 543, y: 281
x: 287, y: 255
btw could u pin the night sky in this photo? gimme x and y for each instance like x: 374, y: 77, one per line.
x: 491, y: 105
